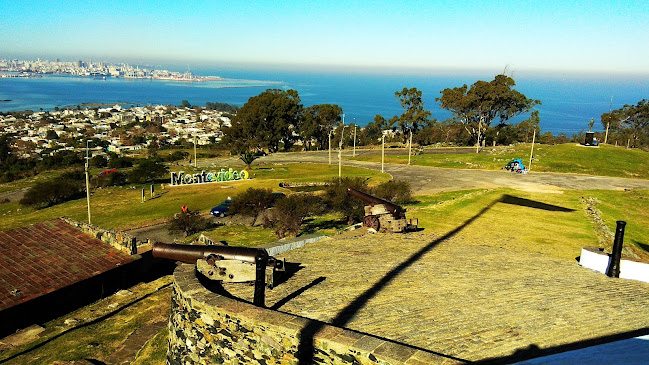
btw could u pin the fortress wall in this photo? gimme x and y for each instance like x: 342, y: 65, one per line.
x: 207, y: 328
x: 119, y: 240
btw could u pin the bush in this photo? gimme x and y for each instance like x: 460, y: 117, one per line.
x: 338, y: 200
x: 189, y: 223
x: 289, y: 213
x: 252, y: 202
x: 397, y: 192
x: 49, y: 193
x: 110, y: 179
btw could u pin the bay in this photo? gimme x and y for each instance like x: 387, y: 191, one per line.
x: 568, y: 101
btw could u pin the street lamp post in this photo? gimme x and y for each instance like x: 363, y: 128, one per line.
x: 340, y: 152
x: 383, y: 153
x: 330, y: 147
x: 354, y: 153
x: 195, y: 163
x: 87, y: 182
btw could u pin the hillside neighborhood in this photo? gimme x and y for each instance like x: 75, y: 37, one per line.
x: 115, y: 128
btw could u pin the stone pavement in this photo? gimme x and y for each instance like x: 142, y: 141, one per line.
x: 457, y: 296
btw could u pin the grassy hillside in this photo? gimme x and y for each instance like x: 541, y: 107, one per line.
x: 122, y: 207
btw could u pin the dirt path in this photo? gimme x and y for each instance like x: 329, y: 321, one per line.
x: 424, y: 179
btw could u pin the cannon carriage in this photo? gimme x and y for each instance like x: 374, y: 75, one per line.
x: 382, y: 215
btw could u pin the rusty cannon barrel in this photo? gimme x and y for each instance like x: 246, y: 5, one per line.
x: 395, y: 210
x: 227, y: 264
x: 191, y: 253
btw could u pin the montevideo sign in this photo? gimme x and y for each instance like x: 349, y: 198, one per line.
x: 181, y: 178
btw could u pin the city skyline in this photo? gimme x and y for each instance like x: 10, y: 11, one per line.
x: 583, y: 36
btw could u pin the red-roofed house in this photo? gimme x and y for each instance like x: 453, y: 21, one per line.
x: 46, y: 266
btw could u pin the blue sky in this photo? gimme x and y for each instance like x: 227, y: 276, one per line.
x: 587, y: 36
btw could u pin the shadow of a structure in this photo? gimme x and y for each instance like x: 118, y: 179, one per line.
x: 306, y: 350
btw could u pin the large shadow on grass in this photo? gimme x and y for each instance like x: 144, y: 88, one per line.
x: 306, y: 350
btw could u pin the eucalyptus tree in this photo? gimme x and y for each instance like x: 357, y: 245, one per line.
x: 414, y: 115
x: 476, y: 107
x: 630, y: 118
x: 266, y: 121
x: 318, y: 121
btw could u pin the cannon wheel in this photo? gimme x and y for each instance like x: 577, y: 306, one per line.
x: 372, y: 221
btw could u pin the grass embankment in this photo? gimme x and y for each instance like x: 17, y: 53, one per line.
x: 122, y: 207
x: 550, y: 224
x: 99, y: 331
x: 604, y: 160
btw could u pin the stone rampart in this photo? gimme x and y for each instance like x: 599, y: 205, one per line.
x: 208, y: 328
x: 120, y: 240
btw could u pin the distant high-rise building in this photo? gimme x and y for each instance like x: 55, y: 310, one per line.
x: 79, y: 63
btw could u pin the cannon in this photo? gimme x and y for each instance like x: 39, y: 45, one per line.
x: 382, y: 215
x: 227, y: 264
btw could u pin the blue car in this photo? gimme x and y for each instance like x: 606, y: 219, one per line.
x: 221, y: 209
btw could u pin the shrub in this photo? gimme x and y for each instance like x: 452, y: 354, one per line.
x: 289, y: 213
x: 189, y: 223
x: 338, y: 200
x: 252, y: 202
x: 110, y: 179
x: 397, y: 192
x: 49, y: 193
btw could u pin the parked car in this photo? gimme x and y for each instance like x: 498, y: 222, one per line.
x: 221, y: 209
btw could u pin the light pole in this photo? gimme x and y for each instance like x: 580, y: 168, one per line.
x: 87, y: 182
x: 195, y: 163
x: 383, y: 151
x: 340, y: 151
x: 354, y: 153
x: 410, y: 146
x: 330, y: 147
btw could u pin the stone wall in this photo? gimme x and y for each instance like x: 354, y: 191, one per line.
x: 207, y: 328
x: 120, y: 240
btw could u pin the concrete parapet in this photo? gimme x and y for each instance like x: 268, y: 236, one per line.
x: 208, y: 328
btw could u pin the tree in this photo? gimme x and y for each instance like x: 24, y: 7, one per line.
x: 525, y: 129
x: 414, y: 115
x: 185, y: 104
x: 248, y: 158
x: 484, y: 102
x: 98, y: 161
x: 49, y: 193
x: 632, y: 118
x: 319, y: 121
x: 51, y: 134
x: 148, y: 170
x: 265, y: 121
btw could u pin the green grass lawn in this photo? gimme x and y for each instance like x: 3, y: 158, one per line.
x: 605, y: 160
x: 548, y: 223
x: 122, y: 207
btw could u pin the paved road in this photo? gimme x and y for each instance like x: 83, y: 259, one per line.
x: 424, y: 179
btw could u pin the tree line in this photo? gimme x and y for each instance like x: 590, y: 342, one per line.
x: 481, y: 115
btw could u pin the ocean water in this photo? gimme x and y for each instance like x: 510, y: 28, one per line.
x: 568, y: 103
